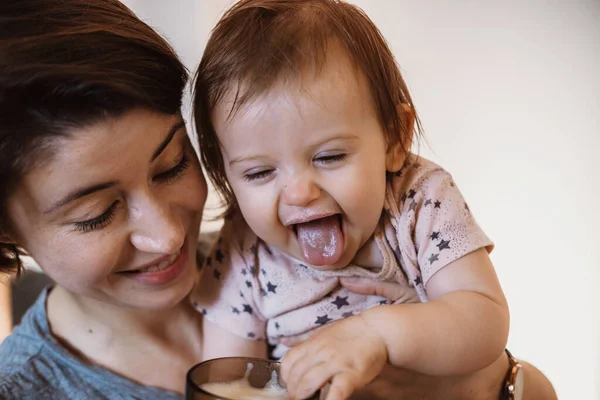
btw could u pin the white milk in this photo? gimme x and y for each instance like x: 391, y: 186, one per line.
x: 241, y: 389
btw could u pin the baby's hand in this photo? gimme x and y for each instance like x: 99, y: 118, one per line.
x: 347, y: 353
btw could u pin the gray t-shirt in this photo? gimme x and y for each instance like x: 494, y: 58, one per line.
x: 33, y: 365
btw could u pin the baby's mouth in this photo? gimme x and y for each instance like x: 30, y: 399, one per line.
x: 321, y: 240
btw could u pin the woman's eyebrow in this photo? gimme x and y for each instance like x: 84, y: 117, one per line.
x: 79, y: 193
x: 178, y: 125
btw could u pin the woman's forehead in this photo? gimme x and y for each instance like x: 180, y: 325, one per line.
x: 104, y: 152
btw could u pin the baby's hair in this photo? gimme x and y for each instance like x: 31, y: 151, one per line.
x: 257, y: 43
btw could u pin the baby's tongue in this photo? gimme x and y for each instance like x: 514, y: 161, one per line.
x: 321, y: 240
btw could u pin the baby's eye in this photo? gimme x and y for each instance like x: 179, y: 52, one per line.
x: 330, y: 158
x: 254, y: 175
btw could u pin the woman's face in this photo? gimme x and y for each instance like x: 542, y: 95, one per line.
x: 114, y: 213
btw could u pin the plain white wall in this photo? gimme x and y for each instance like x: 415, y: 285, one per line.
x: 509, y: 94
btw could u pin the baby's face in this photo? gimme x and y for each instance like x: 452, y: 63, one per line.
x: 307, y: 164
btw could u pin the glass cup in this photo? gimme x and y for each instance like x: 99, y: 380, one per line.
x: 227, y: 370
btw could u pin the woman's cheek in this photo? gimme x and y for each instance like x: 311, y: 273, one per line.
x: 81, y: 262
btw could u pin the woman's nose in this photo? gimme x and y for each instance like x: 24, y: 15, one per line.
x: 300, y: 191
x: 158, y: 229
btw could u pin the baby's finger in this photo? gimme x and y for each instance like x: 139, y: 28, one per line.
x: 342, y: 386
x: 297, y: 368
x: 311, y: 380
x: 289, y: 361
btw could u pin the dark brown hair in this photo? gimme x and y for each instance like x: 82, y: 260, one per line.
x: 66, y: 64
x: 258, y: 42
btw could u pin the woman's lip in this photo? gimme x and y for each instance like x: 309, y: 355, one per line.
x: 165, y: 276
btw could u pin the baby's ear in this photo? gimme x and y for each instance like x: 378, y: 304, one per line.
x: 396, y: 155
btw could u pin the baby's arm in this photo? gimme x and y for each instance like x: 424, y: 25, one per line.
x: 225, y: 295
x: 462, y: 329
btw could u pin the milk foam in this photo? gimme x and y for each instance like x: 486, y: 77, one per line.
x: 242, y: 390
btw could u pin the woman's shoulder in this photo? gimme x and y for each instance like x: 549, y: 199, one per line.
x: 27, y: 339
x: 34, y: 365
x: 24, y: 368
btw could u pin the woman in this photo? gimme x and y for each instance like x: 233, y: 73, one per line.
x: 100, y: 185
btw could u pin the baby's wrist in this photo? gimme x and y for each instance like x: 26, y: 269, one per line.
x: 390, y: 329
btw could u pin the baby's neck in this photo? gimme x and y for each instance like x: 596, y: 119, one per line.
x: 369, y: 255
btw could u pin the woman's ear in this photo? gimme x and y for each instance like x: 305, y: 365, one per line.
x: 396, y: 154
x: 5, y: 238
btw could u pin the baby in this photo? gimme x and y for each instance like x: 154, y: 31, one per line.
x: 305, y: 125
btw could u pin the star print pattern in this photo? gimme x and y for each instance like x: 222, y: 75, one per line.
x: 258, y: 292
x: 443, y: 244
x: 413, y: 205
x: 219, y: 256
x: 322, y: 320
x: 271, y: 288
x: 340, y: 302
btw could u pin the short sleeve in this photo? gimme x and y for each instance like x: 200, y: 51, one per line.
x: 226, y: 291
x: 445, y: 229
x: 433, y: 223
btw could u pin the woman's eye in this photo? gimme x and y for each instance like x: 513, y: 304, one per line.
x: 253, y: 176
x: 176, y: 172
x: 328, y: 159
x: 98, y: 222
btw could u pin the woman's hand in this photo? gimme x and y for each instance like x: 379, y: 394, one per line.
x: 348, y: 354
